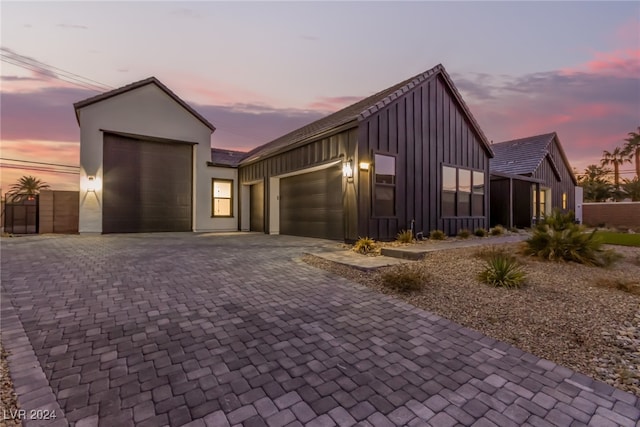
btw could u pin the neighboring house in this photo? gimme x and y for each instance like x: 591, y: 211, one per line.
x: 529, y: 178
x: 411, y: 154
x: 143, y: 164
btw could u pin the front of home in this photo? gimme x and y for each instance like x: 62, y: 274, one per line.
x: 410, y: 156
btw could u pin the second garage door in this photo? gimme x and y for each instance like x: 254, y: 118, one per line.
x: 147, y: 185
x: 311, y: 204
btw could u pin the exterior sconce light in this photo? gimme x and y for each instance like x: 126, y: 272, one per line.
x: 347, y: 170
x: 364, y: 166
x: 91, y: 184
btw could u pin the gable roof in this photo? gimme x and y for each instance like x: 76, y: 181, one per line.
x: 360, y: 111
x: 224, y: 157
x: 150, y: 80
x: 524, y: 156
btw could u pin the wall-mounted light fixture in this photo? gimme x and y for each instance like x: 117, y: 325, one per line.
x: 347, y: 169
x: 91, y: 183
x: 364, y: 166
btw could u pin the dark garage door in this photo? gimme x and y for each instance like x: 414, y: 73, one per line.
x: 147, y: 185
x: 311, y: 204
x: 257, y: 207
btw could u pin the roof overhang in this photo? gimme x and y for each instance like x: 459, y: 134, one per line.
x: 516, y: 177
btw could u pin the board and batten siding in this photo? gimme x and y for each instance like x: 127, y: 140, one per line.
x: 340, y: 146
x: 425, y: 129
x: 558, y: 186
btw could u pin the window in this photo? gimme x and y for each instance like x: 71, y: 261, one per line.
x: 385, y: 185
x: 564, y: 200
x: 222, y: 203
x: 462, y: 192
x: 544, y: 193
x: 478, y: 193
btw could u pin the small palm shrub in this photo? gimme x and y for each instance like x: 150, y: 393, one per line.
x: 405, y: 236
x: 365, y: 245
x: 498, y: 230
x: 502, y: 270
x: 464, y: 233
x: 480, y: 232
x: 558, y: 238
x: 404, y: 279
x: 437, y: 235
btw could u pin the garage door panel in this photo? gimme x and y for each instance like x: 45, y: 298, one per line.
x: 311, y: 204
x: 147, y: 185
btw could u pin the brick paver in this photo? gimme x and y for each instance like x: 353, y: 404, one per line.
x: 219, y: 330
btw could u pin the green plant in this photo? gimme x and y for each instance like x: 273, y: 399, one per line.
x: 405, y: 236
x: 498, y: 230
x: 365, y: 245
x: 480, y: 232
x: 514, y: 230
x: 558, y: 238
x: 404, y: 279
x: 502, y: 270
x: 464, y: 233
x: 437, y: 235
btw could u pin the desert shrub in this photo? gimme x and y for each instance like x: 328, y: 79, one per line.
x: 405, y: 236
x: 404, y: 279
x: 437, y: 235
x: 502, y: 270
x: 558, y: 238
x: 480, y: 232
x: 625, y: 285
x: 488, y: 252
x: 498, y: 230
x: 365, y: 245
x: 464, y: 233
x: 609, y: 257
x: 514, y: 230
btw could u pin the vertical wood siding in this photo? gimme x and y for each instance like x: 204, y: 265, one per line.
x: 565, y: 184
x: 424, y: 129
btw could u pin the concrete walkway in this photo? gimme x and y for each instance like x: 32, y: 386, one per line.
x: 203, y: 330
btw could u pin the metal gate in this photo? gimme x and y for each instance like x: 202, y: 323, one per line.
x: 21, y: 217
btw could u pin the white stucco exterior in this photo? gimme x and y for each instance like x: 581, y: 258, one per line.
x: 150, y: 111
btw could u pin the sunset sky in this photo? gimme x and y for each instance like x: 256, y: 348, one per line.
x: 259, y: 70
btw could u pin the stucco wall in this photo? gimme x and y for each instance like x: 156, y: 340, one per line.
x: 205, y: 221
x: 149, y: 111
x: 621, y: 214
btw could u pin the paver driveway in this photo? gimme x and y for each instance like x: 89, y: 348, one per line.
x: 217, y: 330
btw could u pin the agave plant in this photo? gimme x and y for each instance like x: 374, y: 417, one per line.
x: 502, y: 270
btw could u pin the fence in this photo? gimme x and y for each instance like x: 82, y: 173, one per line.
x: 20, y: 217
x: 59, y: 212
x: 620, y: 214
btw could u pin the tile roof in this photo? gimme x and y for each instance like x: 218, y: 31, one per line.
x: 525, y: 155
x: 224, y: 157
x: 359, y: 111
x: 150, y: 80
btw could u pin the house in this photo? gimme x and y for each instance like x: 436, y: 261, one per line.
x: 529, y: 178
x: 145, y: 165
x: 410, y: 156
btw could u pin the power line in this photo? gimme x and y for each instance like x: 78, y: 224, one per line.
x: 39, y: 163
x: 34, y: 168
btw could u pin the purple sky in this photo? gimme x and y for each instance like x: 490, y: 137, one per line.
x: 259, y: 70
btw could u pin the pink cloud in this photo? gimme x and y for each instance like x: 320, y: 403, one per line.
x: 333, y: 103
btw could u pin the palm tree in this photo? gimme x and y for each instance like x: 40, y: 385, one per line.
x: 595, y: 184
x: 632, y: 149
x: 631, y: 188
x: 27, y: 187
x: 615, y: 158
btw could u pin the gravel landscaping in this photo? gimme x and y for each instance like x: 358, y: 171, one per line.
x: 7, y: 395
x: 572, y: 314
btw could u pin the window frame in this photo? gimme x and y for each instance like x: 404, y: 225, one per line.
x: 457, y: 192
x: 213, y: 197
x: 375, y: 184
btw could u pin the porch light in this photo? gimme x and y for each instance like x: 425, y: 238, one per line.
x: 347, y: 170
x: 364, y: 166
x: 91, y: 183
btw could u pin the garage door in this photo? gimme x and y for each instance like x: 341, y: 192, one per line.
x: 147, y: 185
x: 311, y: 204
x: 257, y: 207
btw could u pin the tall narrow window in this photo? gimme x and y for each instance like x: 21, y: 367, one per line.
x: 464, y: 192
x: 564, y: 200
x: 449, y: 187
x: 222, y: 203
x: 385, y: 185
x: 478, y: 193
